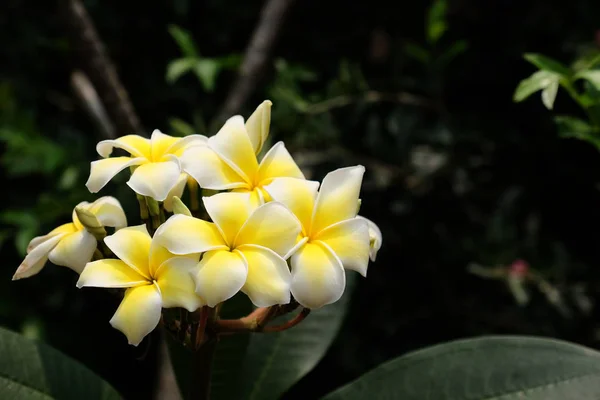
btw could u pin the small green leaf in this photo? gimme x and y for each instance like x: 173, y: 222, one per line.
x: 417, y: 52
x: 538, y: 81
x: 488, y: 368
x: 184, y: 40
x: 547, y: 64
x: 179, y: 207
x: 592, y: 76
x: 436, y: 21
x: 206, y: 70
x: 178, y: 67
x: 549, y: 95
x: 571, y: 127
x: 453, y: 51
x: 181, y: 127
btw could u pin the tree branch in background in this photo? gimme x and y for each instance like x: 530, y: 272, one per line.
x: 85, y: 91
x: 100, y: 68
x: 256, y: 57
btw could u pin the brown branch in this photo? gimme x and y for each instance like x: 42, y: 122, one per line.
x: 256, y: 56
x: 289, y: 324
x: 85, y: 91
x: 371, y: 96
x: 99, y: 67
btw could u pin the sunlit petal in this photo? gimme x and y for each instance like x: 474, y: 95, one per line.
x: 258, y: 125
x: 109, y: 212
x: 110, y: 273
x: 176, y: 190
x: 138, y: 313
x: 349, y: 240
x: 74, y: 250
x: 233, y: 145
x: 182, y: 234
x: 207, y: 168
x: 338, y: 197
x: 132, y: 245
x: 296, y: 194
x: 180, y: 146
x: 221, y: 275
x: 277, y: 163
x: 102, y: 171
x: 155, y: 179
x: 317, y: 276
x: 37, y: 257
x: 269, y: 278
x: 375, y: 238
x: 229, y: 211
x: 272, y: 226
x: 135, y: 145
x: 177, y: 288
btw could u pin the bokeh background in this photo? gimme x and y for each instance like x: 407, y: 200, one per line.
x: 490, y: 220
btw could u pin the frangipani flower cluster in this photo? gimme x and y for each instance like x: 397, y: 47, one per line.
x: 268, y: 232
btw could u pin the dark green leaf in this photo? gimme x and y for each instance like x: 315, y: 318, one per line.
x: 178, y: 67
x: 184, y: 41
x: 417, y: 52
x: 276, y: 361
x: 490, y: 368
x: 538, y: 81
x: 181, y: 127
x: 206, y: 70
x: 571, y: 127
x: 436, y: 21
x: 31, y: 370
x: 592, y: 77
x: 453, y: 51
x: 547, y: 64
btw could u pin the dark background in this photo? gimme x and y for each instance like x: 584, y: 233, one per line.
x: 457, y: 174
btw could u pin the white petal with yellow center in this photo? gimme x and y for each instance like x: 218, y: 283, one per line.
x: 181, y: 145
x: 220, y: 275
x: 155, y: 179
x: 74, y: 250
x: 182, y: 234
x: 229, y: 211
x: 258, y: 125
x: 37, y: 257
x: 233, y: 145
x: 272, y: 226
x: 277, y: 163
x: 298, y: 195
x: 64, y: 228
x: 338, y: 197
x: 109, y: 212
x: 349, y: 240
x: 375, y: 238
x: 102, y: 171
x: 209, y: 170
x: 177, y: 288
x: 318, y: 277
x: 110, y: 273
x: 160, y: 143
x: 269, y: 278
x: 132, y: 245
x: 135, y: 145
x: 138, y: 313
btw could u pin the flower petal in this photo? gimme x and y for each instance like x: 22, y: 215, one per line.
x: 375, y: 238
x: 37, y: 257
x: 138, y: 313
x: 109, y: 212
x: 176, y: 285
x: 176, y: 190
x: 258, y: 124
x: 182, y: 234
x: 102, y: 171
x: 229, y: 211
x: 74, y: 250
x: 269, y: 278
x: 180, y: 146
x: 338, y: 198
x: 349, y: 240
x: 64, y: 228
x: 207, y: 168
x: 233, y: 145
x: 132, y: 245
x: 296, y: 194
x: 317, y: 276
x: 221, y: 275
x: 135, y: 145
x: 272, y: 226
x: 160, y: 143
x: 155, y: 179
x: 277, y: 163
x: 110, y: 273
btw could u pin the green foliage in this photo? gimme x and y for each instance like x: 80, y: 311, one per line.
x: 484, y: 368
x: 30, y: 370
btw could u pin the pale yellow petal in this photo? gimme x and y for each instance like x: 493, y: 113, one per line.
x: 109, y: 212
x: 138, y: 313
x: 296, y: 194
x: 176, y: 190
x: 349, y: 240
x: 256, y: 196
x: 258, y: 125
x: 74, y: 250
x: 155, y: 179
x: 64, y: 228
x: 184, y: 143
x: 375, y: 238
x: 317, y: 276
x: 209, y: 170
x: 233, y: 145
x: 135, y: 145
x: 102, y: 171
x: 272, y: 226
x: 229, y: 211
x: 132, y: 245
x: 110, y: 273
x: 37, y: 257
x: 277, y: 163
x: 160, y: 143
x: 269, y: 278
x: 176, y: 284
x: 338, y: 197
x: 220, y: 275
x: 182, y: 234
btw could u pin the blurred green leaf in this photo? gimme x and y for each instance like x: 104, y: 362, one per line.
x: 547, y: 64
x: 30, y: 370
x: 549, y: 95
x: 538, y: 81
x: 184, y: 40
x: 181, y: 127
x: 178, y: 67
x: 436, y: 21
x: 452, y: 52
x: 484, y: 368
x: 206, y: 70
x: 571, y: 127
x: 592, y: 76
x: 417, y: 52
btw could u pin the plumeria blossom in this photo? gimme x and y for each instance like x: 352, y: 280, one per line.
x: 71, y: 245
x: 243, y: 249
x: 154, y: 279
x: 375, y: 238
x: 156, y: 161
x: 332, y: 238
x: 229, y: 160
